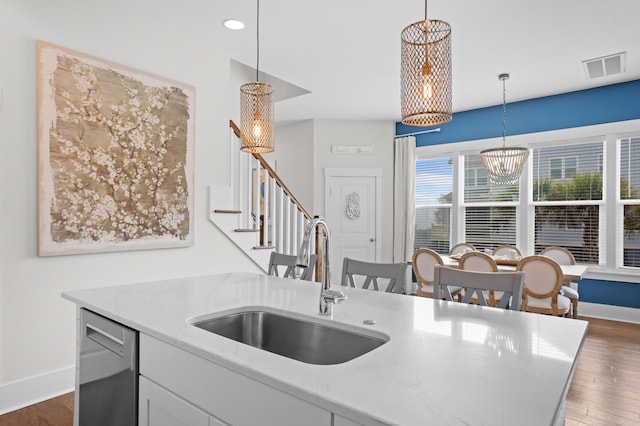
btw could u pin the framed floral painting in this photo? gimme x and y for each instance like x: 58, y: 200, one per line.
x: 115, y: 156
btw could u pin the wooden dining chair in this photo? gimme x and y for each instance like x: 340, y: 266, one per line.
x: 511, y: 252
x: 395, y: 273
x: 477, y: 261
x: 569, y: 290
x: 480, y: 262
x: 542, y: 284
x: 423, y: 262
x: 287, y: 262
x: 461, y: 248
x: 478, y: 284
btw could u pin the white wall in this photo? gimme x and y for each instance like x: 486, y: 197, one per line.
x: 37, y: 333
x: 293, y: 160
x: 379, y: 135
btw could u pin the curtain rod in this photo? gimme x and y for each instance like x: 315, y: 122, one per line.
x: 418, y: 133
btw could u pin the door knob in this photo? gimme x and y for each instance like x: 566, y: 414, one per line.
x: 372, y: 239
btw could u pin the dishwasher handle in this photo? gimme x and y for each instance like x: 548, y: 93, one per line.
x: 105, y: 339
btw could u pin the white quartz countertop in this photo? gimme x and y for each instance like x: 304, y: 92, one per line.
x: 445, y: 363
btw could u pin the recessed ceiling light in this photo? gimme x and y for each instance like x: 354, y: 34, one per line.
x: 233, y: 24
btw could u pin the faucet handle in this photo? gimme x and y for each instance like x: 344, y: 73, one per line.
x: 333, y: 296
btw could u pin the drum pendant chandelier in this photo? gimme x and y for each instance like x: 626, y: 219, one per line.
x: 504, y: 165
x: 426, y: 72
x: 256, y: 109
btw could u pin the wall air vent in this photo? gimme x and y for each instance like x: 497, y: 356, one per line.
x: 605, y: 65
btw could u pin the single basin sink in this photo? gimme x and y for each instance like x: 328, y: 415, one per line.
x: 303, y: 340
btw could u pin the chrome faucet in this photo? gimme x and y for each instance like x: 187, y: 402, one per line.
x: 328, y: 297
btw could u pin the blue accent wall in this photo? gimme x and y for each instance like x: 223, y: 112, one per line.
x: 606, y: 104
x: 610, y: 293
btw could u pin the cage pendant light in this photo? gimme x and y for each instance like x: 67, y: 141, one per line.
x: 256, y: 108
x: 426, y: 72
x: 504, y: 165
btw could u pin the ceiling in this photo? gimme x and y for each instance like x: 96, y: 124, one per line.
x: 346, y: 53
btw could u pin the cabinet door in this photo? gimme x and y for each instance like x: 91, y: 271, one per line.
x: 159, y: 407
x: 343, y: 421
x: 235, y: 398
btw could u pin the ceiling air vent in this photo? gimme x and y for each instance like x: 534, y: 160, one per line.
x: 605, y: 65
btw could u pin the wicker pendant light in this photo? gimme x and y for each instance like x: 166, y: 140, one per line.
x: 504, y: 165
x: 426, y: 72
x: 256, y: 109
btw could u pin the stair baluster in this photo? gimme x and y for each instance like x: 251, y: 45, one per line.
x: 265, y: 210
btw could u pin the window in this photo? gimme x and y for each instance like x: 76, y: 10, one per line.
x: 600, y: 163
x: 434, y: 190
x: 475, y: 177
x: 580, y: 189
x: 489, y: 210
x: 563, y: 168
x: 490, y: 227
x: 630, y: 201
x: 567, y: 203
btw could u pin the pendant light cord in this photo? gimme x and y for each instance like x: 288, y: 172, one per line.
x: 504, y: 113
x: 257, y: 39
x: 426, y: 39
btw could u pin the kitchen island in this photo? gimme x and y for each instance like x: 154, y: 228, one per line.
x: 444, y: 362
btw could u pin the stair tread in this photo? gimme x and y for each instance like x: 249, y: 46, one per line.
x: 246, y: 230
x: 263, y: 247
x: 227, y: 211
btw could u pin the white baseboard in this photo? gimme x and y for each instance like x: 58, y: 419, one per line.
x: 32, y: 390
x: 615, y: 313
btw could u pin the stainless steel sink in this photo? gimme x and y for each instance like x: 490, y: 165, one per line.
x: 303, y: 340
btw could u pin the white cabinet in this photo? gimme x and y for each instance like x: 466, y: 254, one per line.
x: 159, y: 407
x: 220, y: 392
x: 343, y: 421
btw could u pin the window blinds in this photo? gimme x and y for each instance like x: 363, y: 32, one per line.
x: 434, y: 189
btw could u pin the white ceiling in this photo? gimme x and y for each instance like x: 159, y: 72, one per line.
x: 346, y: 53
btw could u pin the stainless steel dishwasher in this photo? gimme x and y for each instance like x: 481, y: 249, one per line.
x: 108, y: 372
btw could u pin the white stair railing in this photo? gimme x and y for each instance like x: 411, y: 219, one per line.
x: 268, y: 215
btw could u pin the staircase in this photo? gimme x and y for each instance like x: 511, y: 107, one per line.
x: 257, y: 211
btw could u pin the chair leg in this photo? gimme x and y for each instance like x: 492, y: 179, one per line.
x: 574, y: 308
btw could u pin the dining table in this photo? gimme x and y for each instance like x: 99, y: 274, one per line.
x: 569, y: 272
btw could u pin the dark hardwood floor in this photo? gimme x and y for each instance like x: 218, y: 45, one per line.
x: 53, y: 412
x: 605, y: 390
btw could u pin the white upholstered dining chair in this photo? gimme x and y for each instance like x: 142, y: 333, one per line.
x: 511, y: 252
x: 542, y: 283
x: 565, y: 257
x: 481, y: 262
x: 461, y: 248
x: 423, y: 262
x: 477, y: 261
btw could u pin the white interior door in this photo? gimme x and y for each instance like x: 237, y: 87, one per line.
x: 352, y: 206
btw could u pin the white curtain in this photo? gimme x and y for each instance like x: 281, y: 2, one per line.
x: 404, y: 197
